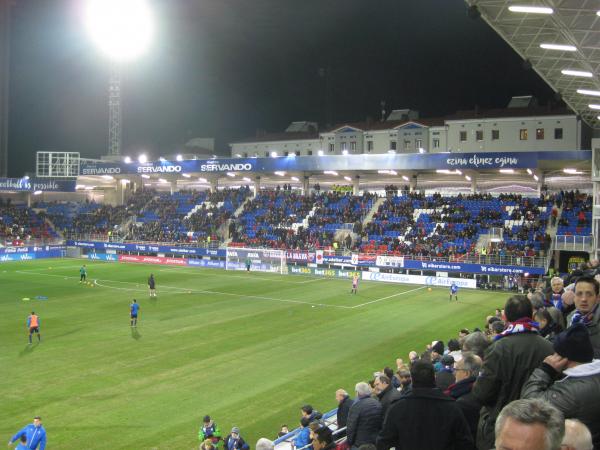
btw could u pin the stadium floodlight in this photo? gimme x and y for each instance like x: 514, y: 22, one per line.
x: 124, y: 181
x: 405, y: 178
x: 598, y: 13
x: 80, y: 186
x: 161, y: 159
x: 26, y: 177
x: 347, y: 178
x: 202, y: 180
x: 572, y: 171
x: 145, y: 176
x: 467, y: 177
x: 529, y: 171
x: 421, y: 150
x: 142, y: 159
x: 320, y: 153
x: 89, y: 188
x: 247, y: 180
x: 37, y: 192
x: 597, y: 107
x: 588, y: 92
x: 238, y: 155
x: 507, y: 171
x: 295, y: 179
x: 122, y: 29
x: 530, y: 9
x: 577, y: 73
x: 186, y: 175
x: 107, y: 177
x: 231, y: 174
x: 536, y: 178
x: 392, y: 152
x: 565, y: 48
x: 273, y: 154
x: 330, y: 172
x: 162, y: 180
x: 179, y: 158
x: 127, y: 160
x: 345, y: 152
x: 279, y: 173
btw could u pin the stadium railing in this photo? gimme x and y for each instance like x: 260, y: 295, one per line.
x: 329, y: 419
x: 574, y: 243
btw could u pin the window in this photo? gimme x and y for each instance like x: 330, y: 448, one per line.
x: 523, y: 134
x: 286, y: 153
x: 369, y: 146
x: 331, y: 147
x: 406, y: 145
x: 419, y: 143
x: 495, y: 135
x: 245, y: 154
x: 297, y: 153
x: 436, y: 143
x: 479, y: 135
x: 266, y: 154
x: 462, y: 136
x: 344, y: 146
x: 309, y: 152
x: 353, y: 146
x: 558, y: 133
x: 539, y: 133
x: 393, y: 145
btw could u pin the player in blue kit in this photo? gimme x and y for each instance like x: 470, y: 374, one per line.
x: 134, y: 313
x: 453, y: 291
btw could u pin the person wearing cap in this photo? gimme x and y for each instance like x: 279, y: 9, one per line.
x: 570, y: 379
x: 34, y: 433
x: 445, y: 377
x: 234, y: 441
x: 209, y: 430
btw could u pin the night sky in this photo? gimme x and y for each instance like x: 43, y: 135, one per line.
x: 226, y: 68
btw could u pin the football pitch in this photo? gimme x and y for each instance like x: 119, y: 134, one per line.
x: 249, y: 349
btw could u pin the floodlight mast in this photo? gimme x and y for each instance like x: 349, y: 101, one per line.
x: 114, y: 110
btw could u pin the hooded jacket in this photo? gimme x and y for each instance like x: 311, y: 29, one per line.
x: 35, y: 436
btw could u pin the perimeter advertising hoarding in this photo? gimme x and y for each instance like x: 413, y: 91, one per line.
x: 54, y: 253
x: 153, y: 260
x: 431, y: 161
x: 36, y: 184
x: 419, y: 279
x: 148, y: 248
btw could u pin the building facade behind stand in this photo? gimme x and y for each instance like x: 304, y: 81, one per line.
x: 522, y: 126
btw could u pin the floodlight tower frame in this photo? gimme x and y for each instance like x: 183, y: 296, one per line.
x: 115, y: 120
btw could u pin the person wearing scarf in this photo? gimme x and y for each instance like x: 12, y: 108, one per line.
x: 508, y: 362
x: 587, y: 309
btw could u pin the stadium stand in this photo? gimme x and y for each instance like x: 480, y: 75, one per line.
x: 19, y: 224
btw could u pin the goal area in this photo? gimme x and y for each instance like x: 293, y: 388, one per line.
x: 259, y: 260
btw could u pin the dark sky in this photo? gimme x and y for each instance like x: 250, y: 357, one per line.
x: 225, y: 68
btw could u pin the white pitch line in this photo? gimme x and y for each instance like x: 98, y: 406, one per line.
x: 389, y: 296
x: 243, y: 277
x: 282, y: 300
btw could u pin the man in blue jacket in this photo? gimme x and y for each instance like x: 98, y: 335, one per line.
x: 36, y: 435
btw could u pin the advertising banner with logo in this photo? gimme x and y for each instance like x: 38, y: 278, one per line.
x: 488, y: 269
x: 36, y: 184
x: 32, y: 249
x: 207, y: 263
x: 103, y: 257
x: 390, y: 261
x: 298, y: 256
x: 149, y: 248
x: 418, y: 279
x: 154, y: 260
x: 54, y: 253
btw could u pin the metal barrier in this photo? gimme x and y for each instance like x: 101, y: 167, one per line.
x: 574, y: 243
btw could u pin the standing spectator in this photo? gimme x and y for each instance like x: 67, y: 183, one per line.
x: 587, y: 299
x: 425, y: 418
x: 445, y: 377
x: 577, y: 436
x: 385, y: 393
x: 507, y: 365
x: 283, y: 430
x: 209, y: 430
x: 35, y: 435
x: 310, y: 413
x: 529, y: 425
x: 344, y: 405
x: 364, y: 418
x: 323, y: 439
x: 577, y: 394
x: 234, y: 441
x: 302, y: 439
x: 466, y: 371
x: 454, y: 349
x: 475, y: 342
x: 403, y: 375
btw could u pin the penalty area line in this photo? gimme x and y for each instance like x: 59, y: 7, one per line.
x: 389, y: 296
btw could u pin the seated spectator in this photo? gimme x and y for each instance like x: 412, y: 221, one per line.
x: 466, y: 371
x: 385, y: 393
x: 507, y: 365
x: 264, y: 444
x: 577, y: 436
x: 425, y: 418
x: 364, y: 418
x: 312, y: 414
x: 323, y: 439
x: 577, y: 395
x: 344, y: 404
x: 283, y: 431
x: 529, y: 425
x: 302, y: 439
x: 234, y: 441
x: 445, y: 377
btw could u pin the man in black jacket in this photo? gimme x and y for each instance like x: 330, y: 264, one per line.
x: 507, y: 364
x: 385, y: 393
x: 364, y: 418
x: 425, y: 418
x: 344, y: 404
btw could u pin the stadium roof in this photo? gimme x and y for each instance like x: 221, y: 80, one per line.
x: 573, y: 23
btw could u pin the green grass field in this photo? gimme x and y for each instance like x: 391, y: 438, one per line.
x: 248, y: 349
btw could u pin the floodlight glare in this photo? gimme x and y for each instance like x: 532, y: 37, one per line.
x: 530, y: 9
x: 127, y: 160
x: 588, y: 92
x: 120, y: 28
x: 563, y: 47
x: 577, y: 73
x: 179, y: 158
x: 143, y: 159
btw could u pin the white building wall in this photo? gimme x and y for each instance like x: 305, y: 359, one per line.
x: 441, y: 135
x: 509, y: 138
x: 263, y: 149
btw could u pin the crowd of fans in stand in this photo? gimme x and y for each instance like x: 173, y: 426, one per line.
x: 528, y: 379
x: 20, y: 224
